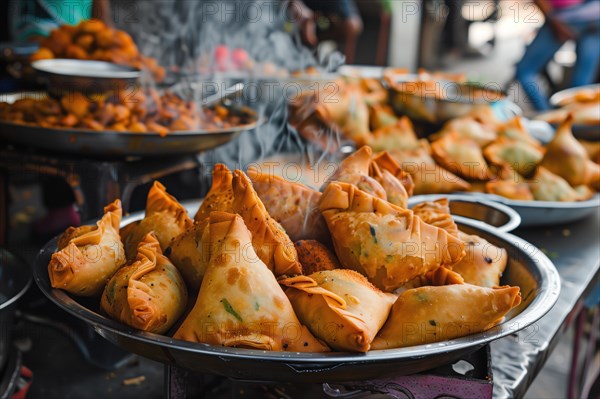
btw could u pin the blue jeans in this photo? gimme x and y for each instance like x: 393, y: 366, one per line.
x: 542, y: 50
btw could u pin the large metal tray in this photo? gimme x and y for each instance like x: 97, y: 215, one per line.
x: 109, y: 143
x: 528, y: 268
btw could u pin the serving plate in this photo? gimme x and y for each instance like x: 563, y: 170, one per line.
x: 528, y: 268
x: 589, y: 132
x: 110, y: 143
x: 60, y: 75
x: 545, y: 213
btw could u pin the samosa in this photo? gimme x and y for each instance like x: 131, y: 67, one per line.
x: 270, y: 240
x: 91, y: 255
x: 149, y: 294
x: 164, y: 215
x: 431, y: 314
x: 388, y: 244
x: 240, y: 303
x: 339, y: 307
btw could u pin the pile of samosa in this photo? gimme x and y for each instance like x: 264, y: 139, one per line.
x: 271, y: 264
x: 476, y: 152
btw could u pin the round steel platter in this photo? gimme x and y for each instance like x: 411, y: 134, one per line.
x: 528, y: 268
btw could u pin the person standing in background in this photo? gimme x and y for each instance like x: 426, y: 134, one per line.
x: 577, y: 20
x: 30, y: 20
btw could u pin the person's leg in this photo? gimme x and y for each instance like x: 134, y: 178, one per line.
x: 588, y: 57
x: 537, y: 55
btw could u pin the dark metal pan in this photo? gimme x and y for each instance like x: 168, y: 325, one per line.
x: 528, y: 268
x: 84, y: 142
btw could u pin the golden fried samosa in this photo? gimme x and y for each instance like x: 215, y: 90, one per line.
x: 270, y: 240
x: 469, y: 128
x: 190, y: 253
x: 355, y: 170
x: 72, y: 232
x: 91, y: 257
x: 398, y: 136
x: 381, y: 115
x: 593, y: 149
x: 510, y: 189
x: 164, y: 215
x: 315, y: 256
x: 483, y: 264
x: 339, y: 307
x: 431, y: 314
x: 346, y: 108
x: 460, y: 155
x: 240, y: 303
x: 428, y: 177
x: 149, y: 294
x: 395, y: 192
x: 385, y: 161
x: 546, y: 186
x: 388, y: 244
x: 293, y: 205
x: 519, y: 155
x: 219, y: 197
x: 437, y: 213
x: 567, y: 158
x: 514, y: 129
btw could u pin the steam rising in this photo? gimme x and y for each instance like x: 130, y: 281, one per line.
x: 184, y: 35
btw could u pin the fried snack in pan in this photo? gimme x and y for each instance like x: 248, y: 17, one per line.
x: 468, y: 128
x: 381, y: 115
x: 483, y: 264
x: 346, y: 109
x: 219, y: 197
x: 269, y: 239
x: 519, y: 155
x: 395, y: 192
x: 510, y: 189
x: 355, y: 170
x: 432, y: 314
x: 72, y: 232
x: 293, y: 205
x: 315, y: 257
x: 164, y: 215
x: 397, y: 136
x: 546, y: 186
x: 84, y: 265
x: 437, y: 213
x: 514, y: 129
x: 240, y: 303
x: 428, y: 177
x: 339, y: 307
x: 462, y: 156
x: 190, y: 252
x: 388, y: 244
x: 149, y: 294
x: 566, y: 157
x: 386, y: 162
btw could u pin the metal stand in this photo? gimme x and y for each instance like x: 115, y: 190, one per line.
x: 95, y: 182
x: 469, y: 377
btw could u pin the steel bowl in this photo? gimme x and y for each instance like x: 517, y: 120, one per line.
x: 62, y: 76
x: 15, y: 279
x: 589, y: 132
x: 474, y: 211
x: 528, y: 268
x: 545, y: 213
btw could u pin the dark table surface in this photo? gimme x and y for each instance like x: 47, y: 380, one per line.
x: 575, y: 250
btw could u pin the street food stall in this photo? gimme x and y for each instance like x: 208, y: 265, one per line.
x: 251, y: 227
